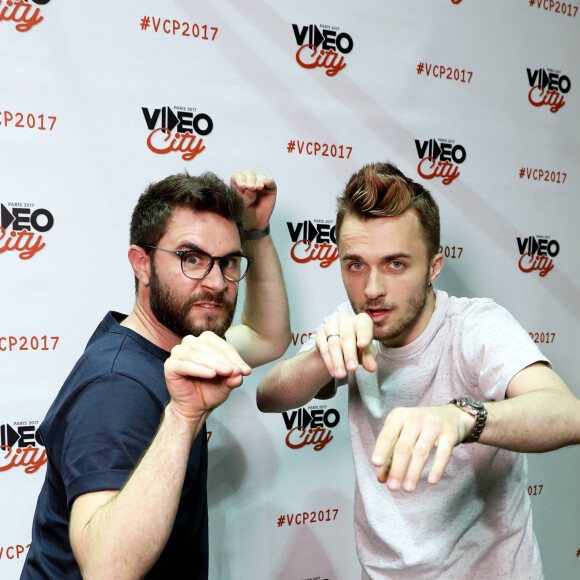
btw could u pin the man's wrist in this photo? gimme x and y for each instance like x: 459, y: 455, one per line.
x: 477, y: 411
x: 257, y: 234
x: 189, y: 423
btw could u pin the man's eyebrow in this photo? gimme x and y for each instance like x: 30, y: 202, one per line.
x: 194, y: 248
x: 387, y: 258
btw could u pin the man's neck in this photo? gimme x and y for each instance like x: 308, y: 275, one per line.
x: 145, y: 324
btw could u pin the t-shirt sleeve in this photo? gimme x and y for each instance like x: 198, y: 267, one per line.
x: 107, y: 428
x: 494, y: 347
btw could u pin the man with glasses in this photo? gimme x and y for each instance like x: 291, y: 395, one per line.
x: 125, y: 489
x: 441, y: 371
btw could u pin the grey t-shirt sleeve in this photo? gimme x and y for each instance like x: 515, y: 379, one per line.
x: 493, y: 348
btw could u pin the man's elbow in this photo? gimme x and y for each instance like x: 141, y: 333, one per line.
x: 264, y: 403
x: 276, y: 346
x: 283, y: 343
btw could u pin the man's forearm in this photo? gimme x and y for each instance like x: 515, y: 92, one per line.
x: 292, y: 383
x: 124, y: 537
x: 541, y: 420
x: 266, y: 306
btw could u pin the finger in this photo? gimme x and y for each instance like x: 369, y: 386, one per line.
x: 445, y: 447
x: 234, y: 381
x: 322, y: 346
x: 259, y: 181
x: 368, y: 358
x: 204, y: 358
x: 250, y: 179
x: 402, y: 453
x: 176, y: 367
x: 265, y: 184
x: 337, y: 356
x: 382, y: 453
x: 384, y: 469
x: 270, y: 185
x: 364, y: 330
x: 238, y: 180
x: 420, y: 455
x: 348, y: 341
x: 211, y: 351
x: 227, y: 351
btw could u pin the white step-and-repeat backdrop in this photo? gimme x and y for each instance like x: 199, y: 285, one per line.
x: 478, y: 100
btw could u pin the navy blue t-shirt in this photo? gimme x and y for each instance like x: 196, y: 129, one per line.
x: 95, y: 432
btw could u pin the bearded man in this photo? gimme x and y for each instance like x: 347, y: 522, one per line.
x: 125, y: 489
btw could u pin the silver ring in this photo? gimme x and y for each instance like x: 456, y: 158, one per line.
x: 332, y: 334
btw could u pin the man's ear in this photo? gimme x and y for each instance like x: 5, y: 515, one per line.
x: 141, y: 263
x: 436, y: 267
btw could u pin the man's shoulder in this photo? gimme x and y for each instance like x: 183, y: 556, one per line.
x: 461, y: 307
x: 113, y: 345
x: 114, y: 357
x: 481, y: 318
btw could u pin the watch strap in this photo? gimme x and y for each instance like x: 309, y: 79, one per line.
x: 256, y: 234
x: 476, y: 409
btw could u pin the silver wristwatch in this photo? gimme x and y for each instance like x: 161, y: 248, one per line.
x: 475, y: 408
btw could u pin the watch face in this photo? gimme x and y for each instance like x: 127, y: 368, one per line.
x: 469, y: 402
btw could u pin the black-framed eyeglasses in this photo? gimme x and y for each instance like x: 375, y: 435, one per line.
x: 197, y: 264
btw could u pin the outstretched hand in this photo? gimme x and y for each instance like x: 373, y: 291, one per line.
x: 407, y: 438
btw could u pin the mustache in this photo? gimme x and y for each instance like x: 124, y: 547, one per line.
x: 221, y: 299
x: 376, y: 305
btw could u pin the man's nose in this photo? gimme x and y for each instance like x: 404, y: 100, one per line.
x: 375, y: 286
x: 215, y: 279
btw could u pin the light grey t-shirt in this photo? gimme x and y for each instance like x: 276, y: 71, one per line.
x: 476, y: 523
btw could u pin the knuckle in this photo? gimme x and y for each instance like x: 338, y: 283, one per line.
x: 397, y: 413
x: 421, y: 451
x: 403, y: 448
x: 177, y: 351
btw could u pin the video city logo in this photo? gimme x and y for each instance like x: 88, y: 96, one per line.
x: 312, y: 427
x: 439, y: 158
x: 190, y: 126
x: 548, y: 88
x: 303, y: 234
x: 19, y: 447
x: 322, y: 46
x: 22, y: 12
x: 536, y: 253
x: 28, y: 225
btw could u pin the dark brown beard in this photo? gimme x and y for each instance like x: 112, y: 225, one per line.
x: 175, y: 316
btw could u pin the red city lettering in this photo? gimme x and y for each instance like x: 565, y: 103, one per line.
x: 529, y: 262
x: 429, y: 168
x: 324, y: 253
x: 540, y: 96
x: 25, y: 242
x: 31, y: 458
x: 186, y: 143
x: 300, y: 437
x: 320, y: 58
x: 25, y: 18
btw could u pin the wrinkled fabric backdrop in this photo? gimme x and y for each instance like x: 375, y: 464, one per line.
x: 479, y: 101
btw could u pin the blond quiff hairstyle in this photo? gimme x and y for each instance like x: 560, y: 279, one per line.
x: 382, y: 190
